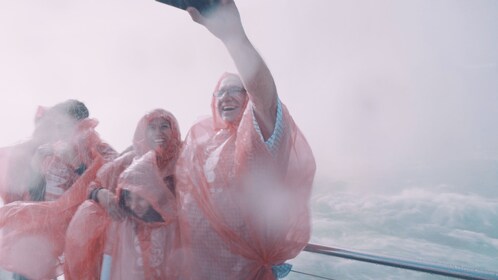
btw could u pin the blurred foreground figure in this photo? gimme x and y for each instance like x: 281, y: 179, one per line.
x: 57, y: 164
x: 245, y: 174
x: 62, y: 146
x: 131, y: 215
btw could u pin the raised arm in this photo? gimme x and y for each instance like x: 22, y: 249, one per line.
x: 224, y: 22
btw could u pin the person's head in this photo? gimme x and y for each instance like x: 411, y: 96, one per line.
x: 65, y: 117
x: 229, y: 99
x: 72, y: 108
x: 138, y: 206
x: 158, y: 131
x: 59, y: 121
x: 143, y: 191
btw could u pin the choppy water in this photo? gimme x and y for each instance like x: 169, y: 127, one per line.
x: 449, y: 224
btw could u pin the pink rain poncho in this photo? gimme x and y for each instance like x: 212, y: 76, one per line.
x: 20, y: 174
x: 69, y: 160
x: 15, y: 171
x: 15, y: 163
x: 32, y: 233
x: 139, y: 249
x: 243, y: 202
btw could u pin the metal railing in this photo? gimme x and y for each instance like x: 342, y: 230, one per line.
x: 455, y: 272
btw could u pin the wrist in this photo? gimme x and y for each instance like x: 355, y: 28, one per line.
x: 236, y: 40
x: 94, y: 194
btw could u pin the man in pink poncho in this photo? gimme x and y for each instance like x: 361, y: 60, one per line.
x: 60, y: 162
x: 59, y: 151
x: 245, y: 174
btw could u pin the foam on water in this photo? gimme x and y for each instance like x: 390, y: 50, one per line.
x: 427, y: 225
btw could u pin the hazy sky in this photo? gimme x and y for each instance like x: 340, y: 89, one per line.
x: 374, y: 85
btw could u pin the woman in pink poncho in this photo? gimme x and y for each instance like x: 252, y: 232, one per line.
x: 244, y: 177
x: 32, y: 234
x: 138, y: 226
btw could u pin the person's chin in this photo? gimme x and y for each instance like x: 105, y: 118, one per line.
x: 230, y: 117
x: 160, y: 148
x: 140, y: 214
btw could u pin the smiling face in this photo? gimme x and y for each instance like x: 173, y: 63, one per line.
x: 136, y: 204
x: 158, y: 133
x: 230, y: 99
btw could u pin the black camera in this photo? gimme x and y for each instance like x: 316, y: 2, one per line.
x: 202, y: 6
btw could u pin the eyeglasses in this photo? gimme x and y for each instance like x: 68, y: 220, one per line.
x: 232, y: 91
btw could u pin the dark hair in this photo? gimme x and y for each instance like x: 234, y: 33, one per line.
x: 150, y: 216
x: 74, y: 108
x: 37, y: 186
